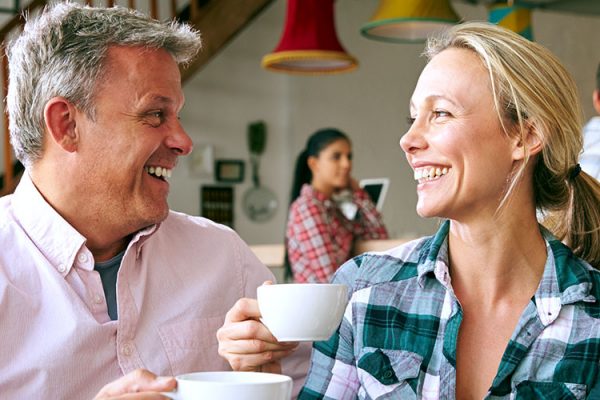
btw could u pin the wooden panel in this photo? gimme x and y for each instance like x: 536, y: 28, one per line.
x: 219, y: 22
x: 270, y: 255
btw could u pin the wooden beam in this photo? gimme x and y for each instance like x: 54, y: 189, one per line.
x: 154, y: 9
x: 219, y: 22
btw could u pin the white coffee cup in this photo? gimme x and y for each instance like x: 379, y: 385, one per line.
x: 296, y: 312
x: 232, y: 385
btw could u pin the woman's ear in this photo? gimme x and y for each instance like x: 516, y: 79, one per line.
x: 530, y: 143
x: 59, y: 116
x: 312, y: 163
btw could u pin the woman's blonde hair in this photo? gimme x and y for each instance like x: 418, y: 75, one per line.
x: 533, y: 91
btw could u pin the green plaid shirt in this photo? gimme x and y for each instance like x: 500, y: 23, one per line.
x: 398, y: 336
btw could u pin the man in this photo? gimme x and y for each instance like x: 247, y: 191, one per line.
x: 98, y: 279
x: 590, y: 158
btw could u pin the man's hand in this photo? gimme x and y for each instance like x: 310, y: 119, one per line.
x: 247, y: 344
x: 137, y: 385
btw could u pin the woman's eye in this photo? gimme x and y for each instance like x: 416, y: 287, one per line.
x: 441, y: 113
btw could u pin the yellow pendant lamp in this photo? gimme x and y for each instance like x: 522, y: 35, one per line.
x: 404, y: 21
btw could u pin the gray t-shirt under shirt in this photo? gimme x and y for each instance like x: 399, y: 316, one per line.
x: 108, y: 271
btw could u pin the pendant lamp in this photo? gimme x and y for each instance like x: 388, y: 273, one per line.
x: 309, y: 44
x: 405, y: 21
x: 515, y: 18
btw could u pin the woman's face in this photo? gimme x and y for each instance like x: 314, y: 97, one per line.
x: 460, y: 155
x: 331, y: 168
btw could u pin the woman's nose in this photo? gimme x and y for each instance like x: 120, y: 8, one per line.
x: 413, y: 139
x: 346, y: 162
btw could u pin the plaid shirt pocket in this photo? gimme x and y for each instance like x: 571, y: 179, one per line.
x: 385, y: 372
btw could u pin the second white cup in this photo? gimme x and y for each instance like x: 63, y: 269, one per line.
x: 296, y: 312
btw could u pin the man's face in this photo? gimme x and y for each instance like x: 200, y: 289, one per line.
x: 134, y: 140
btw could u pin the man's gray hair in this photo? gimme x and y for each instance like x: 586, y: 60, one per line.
x: 62, y: 53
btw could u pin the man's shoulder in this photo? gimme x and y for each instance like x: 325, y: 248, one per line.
x: 185, y: 228
x: 186, y: 221
x: 5, y: 210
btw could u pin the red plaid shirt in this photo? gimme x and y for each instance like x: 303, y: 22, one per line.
x: 319, y: 238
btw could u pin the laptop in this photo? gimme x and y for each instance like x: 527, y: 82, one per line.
x: 377, y: 189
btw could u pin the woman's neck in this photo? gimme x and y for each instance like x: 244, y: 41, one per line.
x: 326, y: 190
x: 495, y: 260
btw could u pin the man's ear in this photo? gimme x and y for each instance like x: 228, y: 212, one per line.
x: 59, y: 116
x: 596, y: 100
x: 530, y: 143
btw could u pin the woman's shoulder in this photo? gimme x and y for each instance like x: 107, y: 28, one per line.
x: 375, y: 267
x: 308, y: 199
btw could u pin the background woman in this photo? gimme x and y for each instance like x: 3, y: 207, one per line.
x: 328, y: 211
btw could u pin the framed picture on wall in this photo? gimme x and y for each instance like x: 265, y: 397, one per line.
x: 216, y: 203
x: 201, y: 161
x: 231, y: 171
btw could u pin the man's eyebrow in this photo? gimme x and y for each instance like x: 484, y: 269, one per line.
x: 161, y: 99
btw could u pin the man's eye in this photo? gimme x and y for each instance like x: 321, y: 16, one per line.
x: 441, y: 113
x: 410, y: 120
x: 155, y: 118
x: 158, y: 114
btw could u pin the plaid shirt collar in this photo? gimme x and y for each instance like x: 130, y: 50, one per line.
x: 565, y: 280
x: 308, y: 191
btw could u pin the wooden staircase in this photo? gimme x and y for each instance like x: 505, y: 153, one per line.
x: 219, y: 21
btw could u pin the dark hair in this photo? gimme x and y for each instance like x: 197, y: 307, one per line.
x: 316, y: 143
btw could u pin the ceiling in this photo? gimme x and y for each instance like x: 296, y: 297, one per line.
x: 588, y: 7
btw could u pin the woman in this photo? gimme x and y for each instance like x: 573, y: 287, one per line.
x: 494, y: 305
x: 328, y: 210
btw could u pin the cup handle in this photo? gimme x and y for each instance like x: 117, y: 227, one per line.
x: 171, y: 395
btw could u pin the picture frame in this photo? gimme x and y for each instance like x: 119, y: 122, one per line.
x: 201, y: 161
x: 230, y: 171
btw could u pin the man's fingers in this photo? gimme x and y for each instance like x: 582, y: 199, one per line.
x: 138, y: 396
x: 137, y: 381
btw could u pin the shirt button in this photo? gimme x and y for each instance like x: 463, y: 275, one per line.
x: 62, y: 268
x: 126, y: 350
x: 82, y: 257
x: 388, y: 374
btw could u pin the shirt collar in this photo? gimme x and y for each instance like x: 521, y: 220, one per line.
x: 308, y: 191
x: 566, y: 278
x: 56, y: 239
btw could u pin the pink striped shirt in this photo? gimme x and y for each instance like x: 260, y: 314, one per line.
x: 175, y: 284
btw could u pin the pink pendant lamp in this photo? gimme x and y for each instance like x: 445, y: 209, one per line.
x: 309, y: 44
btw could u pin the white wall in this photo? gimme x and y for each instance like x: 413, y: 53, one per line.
x: 370, y: 104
